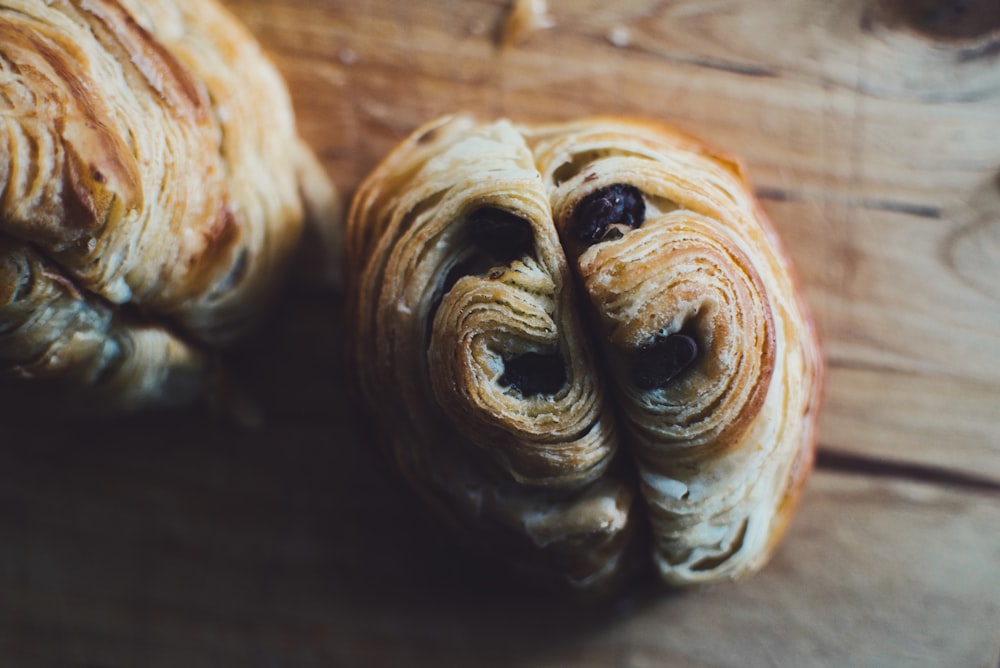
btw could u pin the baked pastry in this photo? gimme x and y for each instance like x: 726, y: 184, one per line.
x: 153, y: 189
x: 582, y: 345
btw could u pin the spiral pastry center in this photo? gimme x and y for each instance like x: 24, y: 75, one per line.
x: 688, y: 330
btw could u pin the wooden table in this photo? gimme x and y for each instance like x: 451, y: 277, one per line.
x: 872, y: 133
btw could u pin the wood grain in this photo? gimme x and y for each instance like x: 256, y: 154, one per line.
x: 870, y: 131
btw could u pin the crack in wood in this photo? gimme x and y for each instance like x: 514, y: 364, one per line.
x: 909, y: 208
x: 733, y: 67
x: 849, y: 462
x: 741, y: 68
x: 893, y: 206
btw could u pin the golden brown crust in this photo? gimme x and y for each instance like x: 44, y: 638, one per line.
x: 148, y: 156
x: 691, y: 376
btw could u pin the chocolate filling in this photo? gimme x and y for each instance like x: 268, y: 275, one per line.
x: 501, y: 234
x: 619, y: 204
x: 534, y: 373
x: 664, y: 360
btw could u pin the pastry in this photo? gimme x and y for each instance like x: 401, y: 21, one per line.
x: 153, y: 189
x: 581, y: 344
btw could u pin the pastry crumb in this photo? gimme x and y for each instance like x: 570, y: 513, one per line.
x: 477, y: 27
x: 347, y: 56
x: 524, y: 17
x: 619, y: 36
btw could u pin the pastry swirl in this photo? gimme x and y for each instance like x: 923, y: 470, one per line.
x: 687, y: 376
x: 152, y: 192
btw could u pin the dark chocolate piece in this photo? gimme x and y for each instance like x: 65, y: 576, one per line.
x: 663, y: 361
x: 501, y: 234
x: 619, y: 204
x: 534, y: 373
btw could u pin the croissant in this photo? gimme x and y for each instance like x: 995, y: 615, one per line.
x: 581, y: 344
x: 153, y: 189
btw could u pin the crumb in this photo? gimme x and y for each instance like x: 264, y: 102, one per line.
x: 477, y: 27
x: 619, y: 36
x: 524, y: 16
x: 347, y: 56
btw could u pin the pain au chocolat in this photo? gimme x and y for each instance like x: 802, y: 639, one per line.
x: 581, y: 344
x: 152, y: 190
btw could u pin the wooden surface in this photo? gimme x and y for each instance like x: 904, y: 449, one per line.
x: 872, y: 133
